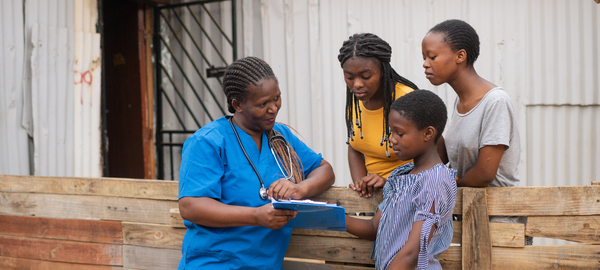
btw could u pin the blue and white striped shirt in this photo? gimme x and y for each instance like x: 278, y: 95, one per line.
x: 407, y: 198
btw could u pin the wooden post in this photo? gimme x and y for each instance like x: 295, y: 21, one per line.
x: 476, y: 241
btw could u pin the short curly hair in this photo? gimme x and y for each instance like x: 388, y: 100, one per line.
x: 459, y: 35
x: 423, y: 108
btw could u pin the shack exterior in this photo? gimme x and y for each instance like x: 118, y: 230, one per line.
x: 544, y: 54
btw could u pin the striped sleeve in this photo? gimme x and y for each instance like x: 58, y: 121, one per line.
x: 427, y: 195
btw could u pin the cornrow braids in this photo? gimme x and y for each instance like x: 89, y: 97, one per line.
x: 241, y: 74
x: 370, y: 45
x: 238, y: 77
x: 459, y: 35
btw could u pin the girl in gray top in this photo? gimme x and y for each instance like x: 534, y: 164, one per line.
x: 482, y: 141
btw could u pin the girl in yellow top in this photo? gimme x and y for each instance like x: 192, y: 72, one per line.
x: 372, y: 86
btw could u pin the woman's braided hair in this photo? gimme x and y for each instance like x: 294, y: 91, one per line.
x: 238, y: 77
x: 370, y: 45
x: 459, y: 35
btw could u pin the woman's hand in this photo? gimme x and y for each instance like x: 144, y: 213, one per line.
x: 283, y: 189
x: 272, y: 218
x: 367, y: 185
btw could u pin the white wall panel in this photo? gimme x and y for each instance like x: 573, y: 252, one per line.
x: 542, y: 52
x: 566, y: 145
x: 63, y: 68
x: 14, y: 153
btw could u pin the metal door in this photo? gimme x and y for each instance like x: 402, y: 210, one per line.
x: 193, y: 44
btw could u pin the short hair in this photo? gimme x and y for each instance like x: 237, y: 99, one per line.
x: 459, y: 35
x: 371, y: 46
x: 241, y: 74
x: 423, y: 108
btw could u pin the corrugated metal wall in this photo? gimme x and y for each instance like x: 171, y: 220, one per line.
x: 544, y: 54
x: 14, y: 153
x: 51, y: 88
x: 65, y: 86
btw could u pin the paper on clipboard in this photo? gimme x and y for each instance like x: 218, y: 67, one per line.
x: 314, y: 215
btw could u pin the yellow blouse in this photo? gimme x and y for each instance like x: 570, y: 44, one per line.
x: 376, y: 161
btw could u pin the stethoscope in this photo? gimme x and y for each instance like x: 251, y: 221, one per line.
x: 263, y: 191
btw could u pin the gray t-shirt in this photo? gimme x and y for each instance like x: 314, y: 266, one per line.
x: 491, y: 122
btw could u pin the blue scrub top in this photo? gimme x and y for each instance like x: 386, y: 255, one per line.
x: 213, y: 165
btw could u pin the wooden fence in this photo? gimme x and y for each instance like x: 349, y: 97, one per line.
x: 105, y: 223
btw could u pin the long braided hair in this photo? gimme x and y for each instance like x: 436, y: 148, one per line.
x: 370, y: 45
x: 238, y: 77
x: 459, y: 35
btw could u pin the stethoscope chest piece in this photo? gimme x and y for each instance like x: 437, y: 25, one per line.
x: 263, y: 193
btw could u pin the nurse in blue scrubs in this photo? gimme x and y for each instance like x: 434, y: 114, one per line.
x: 229, y: 171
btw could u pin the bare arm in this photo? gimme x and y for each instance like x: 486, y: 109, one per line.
x: 363, y: 228
x: 408, y: 256
x: 441, y: 147
x: 212, y: 213
x: 316, y: 182
x: 485, y: 169
x: 356, y: 162
x: 361, y: 182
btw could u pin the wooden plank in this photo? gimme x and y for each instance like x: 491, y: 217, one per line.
x: 9, y: 263
x: 330, y: 249
x: 544, y: 201
x: 507, y: 234
x: 502, y: 234
x: 457, y: 234
x: 322, y: 233
x: 176, y: 220
x: 459, y: 201
x: 582, y: 229
x: 87, y: 207
x: 62, y: 229
x: 148, y: 258
x: 152, y: 235
x: 299, y: 265
x: 451, y: 259
x: 147, y: 88
x: 114, y: 187
x: 595, y: 183
x: 350, y: 200
x: 476, y: 242
x: 547, y: 257
x: 61, y: 250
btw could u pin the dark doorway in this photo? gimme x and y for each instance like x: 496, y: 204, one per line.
x: 124, y: 87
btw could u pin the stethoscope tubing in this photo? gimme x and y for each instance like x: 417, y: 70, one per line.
x: 262, y: 190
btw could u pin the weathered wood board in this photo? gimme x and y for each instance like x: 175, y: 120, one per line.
x: 152, y: 235
x: 476, y: 240
x: 96, y: 231
x: 544, y: 201
x: 61, y: 250
x: 582, y: 229
x: 136, y: 257
x: 87, y: 207
x: 9, y: 263
x: 113, y: 187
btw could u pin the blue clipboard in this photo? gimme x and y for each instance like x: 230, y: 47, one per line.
x: 314, y: 216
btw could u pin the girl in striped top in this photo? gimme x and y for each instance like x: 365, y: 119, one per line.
x: 413, y: 224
